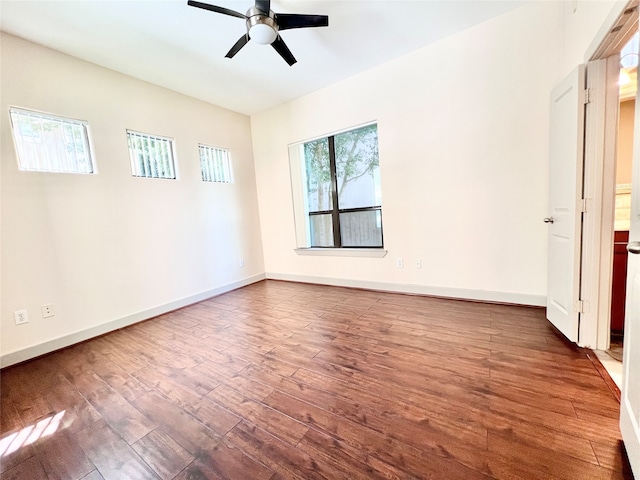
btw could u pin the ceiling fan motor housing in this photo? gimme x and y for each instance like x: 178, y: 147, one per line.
x: 262, y: 28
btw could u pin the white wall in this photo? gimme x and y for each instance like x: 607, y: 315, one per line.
x: 463, y: 136
x: 109, y: 249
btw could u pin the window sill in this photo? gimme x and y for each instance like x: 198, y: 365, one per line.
x: 342, y: 252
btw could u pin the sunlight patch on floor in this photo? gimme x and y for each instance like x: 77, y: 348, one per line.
x: 28, y: 435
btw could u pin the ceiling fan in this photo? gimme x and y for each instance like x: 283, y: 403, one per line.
x: 263, y: 26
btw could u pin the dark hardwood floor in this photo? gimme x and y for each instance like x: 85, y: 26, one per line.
x: 289, y: 381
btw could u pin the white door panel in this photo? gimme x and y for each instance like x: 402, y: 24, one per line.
x: 630, y: 401
x: 565, y: 191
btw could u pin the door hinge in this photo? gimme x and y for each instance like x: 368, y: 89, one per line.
x: 583, y: 205
x: 587, y: 95
x: 581, y: 306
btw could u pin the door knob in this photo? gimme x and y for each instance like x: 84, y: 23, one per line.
x: 633, y: 247
x: 549, y: 220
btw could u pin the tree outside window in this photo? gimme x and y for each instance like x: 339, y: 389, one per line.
x: 343, y: 189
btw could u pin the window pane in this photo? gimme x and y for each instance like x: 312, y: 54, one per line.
x: 361, y: 229
x: 316, y: 155
x: 357, y: 168
x: 47, y: 143
x: 321, y: 230
x: 151, y: 156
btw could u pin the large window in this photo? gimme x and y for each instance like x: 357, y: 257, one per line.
x: 340, y: 179
x: 151, y: 155
x: 48, y: 143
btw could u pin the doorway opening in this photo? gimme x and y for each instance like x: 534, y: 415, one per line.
x: 624, y: 158
x: 628, y: 86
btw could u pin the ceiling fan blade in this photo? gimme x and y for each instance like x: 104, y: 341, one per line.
x: 242, y: 41
x: 213, y: 8
x: 264, y: 6
x: 287, y: 21
x: 280, y: 47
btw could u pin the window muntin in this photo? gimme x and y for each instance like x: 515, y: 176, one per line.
x: 151, y: 155
x: 50, y: 143
x: 215, y: 164
x: 342, y: 190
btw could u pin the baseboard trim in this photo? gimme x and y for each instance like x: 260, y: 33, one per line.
x: 49, y: 346
x: 458, y: 293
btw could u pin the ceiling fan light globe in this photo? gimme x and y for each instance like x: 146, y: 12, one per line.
x: 262, y: 34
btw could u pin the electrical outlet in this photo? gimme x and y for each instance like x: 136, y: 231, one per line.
x: 418, y: 263
x: 47, y: 310
x: 241, y: 262
x: 21, y: 316
x: 399, y: 263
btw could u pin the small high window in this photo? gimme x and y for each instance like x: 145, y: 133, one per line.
x: 49, y: 143
x: 214, y: 164
x: 151, y: 155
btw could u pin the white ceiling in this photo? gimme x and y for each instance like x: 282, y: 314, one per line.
x: 183, y: 48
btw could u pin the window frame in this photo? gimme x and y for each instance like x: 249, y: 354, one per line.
x: 335, y: 211
x: 150, y: 136
x: 60, y: 119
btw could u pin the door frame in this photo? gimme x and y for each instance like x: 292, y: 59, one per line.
x: 599, y: 173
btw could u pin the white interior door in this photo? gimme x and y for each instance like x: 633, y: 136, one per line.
x: 630, y: 401
x: 565, y: 192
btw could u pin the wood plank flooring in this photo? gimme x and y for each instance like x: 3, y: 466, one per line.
x: 289, y: 381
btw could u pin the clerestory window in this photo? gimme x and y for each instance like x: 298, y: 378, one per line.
x: 215, y: 165
x: 50, y: 143
x: 151, y: 156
